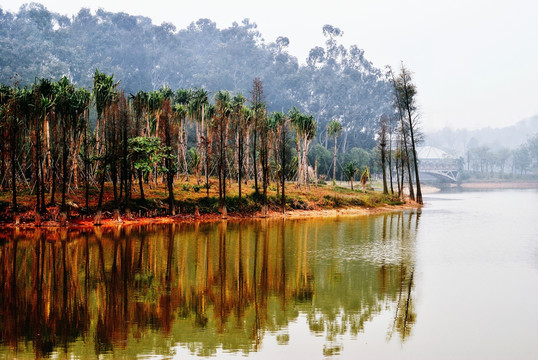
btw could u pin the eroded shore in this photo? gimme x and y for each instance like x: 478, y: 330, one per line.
x: 87, y: 222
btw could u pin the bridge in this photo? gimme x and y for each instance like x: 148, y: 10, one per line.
x: 437, y: 165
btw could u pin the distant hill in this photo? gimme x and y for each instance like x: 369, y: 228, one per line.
x: 335, y: 83
x: 456, y: 141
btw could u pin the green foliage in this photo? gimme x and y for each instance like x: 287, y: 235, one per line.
x: 365, y: 176
x: 193, y: 159
x: 350, y: 170
x: 358, y: 156
x: 145, y: 153
x: 323, y: 156
x: 147, y: 56
x: 334, y: 127
x: 104, y: 91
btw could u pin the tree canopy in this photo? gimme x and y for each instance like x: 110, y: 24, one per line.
x: 335, y: 83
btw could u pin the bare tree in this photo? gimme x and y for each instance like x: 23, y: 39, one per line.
x: 406, y: 92
x: 403, y: 130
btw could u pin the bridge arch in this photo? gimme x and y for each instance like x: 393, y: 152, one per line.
x: 438, y: 164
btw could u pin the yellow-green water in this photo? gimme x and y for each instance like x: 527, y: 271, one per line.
x: 458, y: 279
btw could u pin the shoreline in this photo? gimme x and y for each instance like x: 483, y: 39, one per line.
x: 500, y: 185
x: 215, y: 217
x: 482, y: 185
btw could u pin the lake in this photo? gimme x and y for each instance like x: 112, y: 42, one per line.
x: 455, y: 280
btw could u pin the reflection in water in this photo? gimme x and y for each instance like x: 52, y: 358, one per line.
x: 203, y: 286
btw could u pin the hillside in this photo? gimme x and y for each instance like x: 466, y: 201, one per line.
x: 335, y: 83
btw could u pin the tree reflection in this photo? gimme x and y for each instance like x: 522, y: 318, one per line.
x: 204, y: 286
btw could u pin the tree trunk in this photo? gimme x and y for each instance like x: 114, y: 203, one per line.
x: 13, y: 151
x: 141, y: 185
x: 299, y: 161
x: 65, y: 156
x: 247, y: 155
x: 390, y: 163
x: 334, y: 159
x: 283, y: 167
x: 254, y: 163
x: 385, y: 189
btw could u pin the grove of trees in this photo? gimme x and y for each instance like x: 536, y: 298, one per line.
x: 131, y: 129
x: 334, y: 83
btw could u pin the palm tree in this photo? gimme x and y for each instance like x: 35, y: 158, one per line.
x: 14, y: 101
x: 365, y: 176
x: 105, y: 94
x: 278, y: 124
x: 258, y: 108
x: 83, y: 97
x: 263, y: 129
x: 180, y: 107
x: 44, y: 97
x: 197, y: 109
x: 220, y: 124
x: 166, y: 119
x: 210, y: 113
x: 139, y: 106
x: 294, y: 115
x: 350, y: 170
x: 334, y: 128
x: 238, y: 116
x: 63, y: 106
x: 305, y: 126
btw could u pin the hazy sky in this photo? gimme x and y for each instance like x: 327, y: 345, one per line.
x: 475, y: 61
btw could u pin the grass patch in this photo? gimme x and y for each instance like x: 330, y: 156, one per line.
x: 186, y: 197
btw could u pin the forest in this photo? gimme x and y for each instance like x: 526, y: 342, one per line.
x: 334, y: 83
x: 343, y: 118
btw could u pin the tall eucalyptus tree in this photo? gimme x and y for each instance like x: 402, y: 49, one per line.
x: 403, y: 131
x: 406, y: 92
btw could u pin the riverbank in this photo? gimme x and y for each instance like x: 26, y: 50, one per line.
x: 500, y: 185
x: 481, y: 185
x: 192, y: 206
x: 108, y: 223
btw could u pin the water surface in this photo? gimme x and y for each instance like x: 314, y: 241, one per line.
x: 458, y: 279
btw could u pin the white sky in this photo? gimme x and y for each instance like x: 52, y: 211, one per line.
x: 475, y: 61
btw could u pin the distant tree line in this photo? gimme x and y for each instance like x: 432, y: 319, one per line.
x: 483, y: 160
